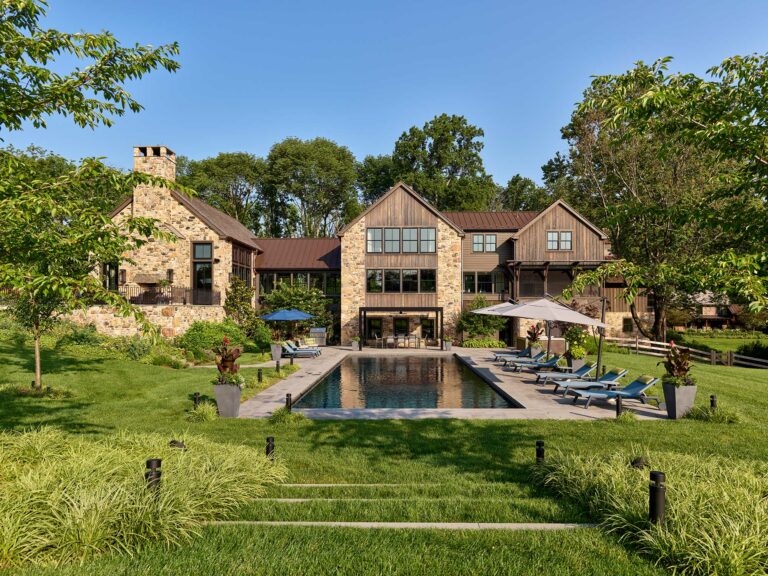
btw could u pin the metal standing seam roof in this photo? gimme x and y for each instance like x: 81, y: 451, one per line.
x: 299, y: 254
x: 491, y: 220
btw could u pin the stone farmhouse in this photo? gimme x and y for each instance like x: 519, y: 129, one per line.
x: 401, y: 267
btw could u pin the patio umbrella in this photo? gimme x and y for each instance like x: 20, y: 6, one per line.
x: 289, y: 315
x: 542, y: 309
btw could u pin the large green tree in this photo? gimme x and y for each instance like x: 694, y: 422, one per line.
x: 317, y: 178
x: 442, y: 161
x: 375, y: 175
x: 522, y: 193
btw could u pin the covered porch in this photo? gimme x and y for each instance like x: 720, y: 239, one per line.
x: 401, y: 327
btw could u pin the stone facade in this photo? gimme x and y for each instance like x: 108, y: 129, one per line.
x: 171, y: 320
x: 449, y: 291
x: 352, y: 279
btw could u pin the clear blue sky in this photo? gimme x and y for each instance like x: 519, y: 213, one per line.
x: 362, y: 72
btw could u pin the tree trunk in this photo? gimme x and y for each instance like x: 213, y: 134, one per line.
x: 660, y: 320
x: 639, y: 322
x: 38, y: 378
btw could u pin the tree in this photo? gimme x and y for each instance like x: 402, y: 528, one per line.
x: 479, y: 324
x: 54, y: 238
x: 299, y: 297
x: 375, y: 175
x: 233, y: 182
x: 442, y: 162
x: 522, y: 193
x: 239, y: 302
x: 317, y: 178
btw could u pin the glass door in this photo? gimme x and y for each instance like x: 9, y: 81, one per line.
x: 202, y: 274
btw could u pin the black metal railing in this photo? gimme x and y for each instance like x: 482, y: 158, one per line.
x: 164, y: 295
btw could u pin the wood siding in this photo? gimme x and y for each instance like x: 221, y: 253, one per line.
x: 531, y: 244
x: 616, y: 302
x: 487, y: 261
x: 405, y: 300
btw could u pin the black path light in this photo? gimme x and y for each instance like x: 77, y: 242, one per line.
x: 277, y: 366
x: 270, y: 445
x: 713, y: 402
x: 657, y: 497
x: 539, y: 451
x: 197, y: 399
x: 288, y: 402
x: 259, y: 375
x: 619, y: 407
x: 153, y: 473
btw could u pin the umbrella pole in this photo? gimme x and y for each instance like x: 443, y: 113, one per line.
x: 549, y: 338
x: 600, y: 331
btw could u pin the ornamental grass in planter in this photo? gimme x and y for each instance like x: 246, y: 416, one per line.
x: 678, y: 385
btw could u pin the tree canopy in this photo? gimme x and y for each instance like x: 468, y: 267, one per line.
x: 522, y: 193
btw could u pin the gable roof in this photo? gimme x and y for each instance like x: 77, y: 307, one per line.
x: 421, y: 200
x: 563, y: 204
x: 299, y: 254
x: 502, y: 221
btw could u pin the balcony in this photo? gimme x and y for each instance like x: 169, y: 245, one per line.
x: 168, y: 295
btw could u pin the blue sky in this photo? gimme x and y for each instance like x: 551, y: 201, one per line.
x: 360, y: 73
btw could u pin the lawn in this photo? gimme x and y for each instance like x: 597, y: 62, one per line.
x: 443, y: 470
x: 723, y: 344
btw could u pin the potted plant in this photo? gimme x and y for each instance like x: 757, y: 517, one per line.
x: 355, y: 343
x: 448, y: 342
x: 534, y: 333
x: 576, y: 354
x: 228, y: 384
x: 678, y: 386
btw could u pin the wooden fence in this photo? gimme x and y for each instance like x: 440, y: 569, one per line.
x: 713, y: 357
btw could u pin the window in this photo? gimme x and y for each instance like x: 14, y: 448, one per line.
x: 109, y: 276
x: 427, y: 240
x: 373, y: 281
x: 391, y: 240
x: 300, y: 279
x: 469, y: 282
x: 490, y: 242
x: 373, y: 328
x: 333, y: 284
x: 531, y: 283
x: 316, y: 280
x: 499, y: 283
x: 266, y: 283
x: 627, y: 325
x: 478, y: 242
x: 484, y: 282
x: 203, y: 251
x: 241, y: 264
x: 391, y: 280
x: 427, y: 280
x: 428, y: 328
x: 374, y: 240
x: 410, y: 280
x: 400, y: 326
x: 562, y: 240
x: 283, y: 277
x: 410, y: 240
x: 202, y: 273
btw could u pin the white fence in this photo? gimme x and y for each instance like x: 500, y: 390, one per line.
x: 713, y: 357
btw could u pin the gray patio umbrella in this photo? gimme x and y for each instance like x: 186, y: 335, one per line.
x: 544, y: 309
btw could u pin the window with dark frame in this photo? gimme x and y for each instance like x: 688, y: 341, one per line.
x: 109, y: 276
x: 241, y: 264
x: 469, y: 282
x: 499, y: 283
x: 410, y: 240
x: 490, y: 242
x: 559, y: 240
x: 373, y: 281
x: 202, y: 272
x: 391, y: 240
x: 427, y: 240
x: 266, y: 283
x: 566, y: 240
x: 484, y: 282
x: 627, y: 325
x: 373, y: 244
x: 428, y: 280
x: 478, y: 242
x: 392, y: 281
x: 333, y: 284
x: 410, y: 280
x: 373, y: 328
x: 552, y: 240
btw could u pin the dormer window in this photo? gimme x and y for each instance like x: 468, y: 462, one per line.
x: 559, y: 240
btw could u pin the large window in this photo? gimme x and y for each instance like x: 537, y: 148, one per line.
x: 392, y: 281
x: 559, y: 240
x: 373, y: 281
x: 428, y: 240
x: 410, y: 240
x: 490, y: 242
x: 469, y: 282
x: 202, y: 273
x: 410, y: 280
x: 428, y: 280
x: 374, y: 240
x: 241, y: 264
x: 373, y: 328
x: 391, y: 240
x: 484, y: 243
x: 531, y: 283
x: 333, y: 283
x: 484, y: 282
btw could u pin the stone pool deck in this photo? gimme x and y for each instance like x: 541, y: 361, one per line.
x: 539, y: 403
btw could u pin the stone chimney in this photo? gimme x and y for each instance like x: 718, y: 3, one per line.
x: 155, y: 160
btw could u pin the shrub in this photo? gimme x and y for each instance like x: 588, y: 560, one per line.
x: 80, y: 336
x: 720, y: 415
x: 67, y: 498
x: 203, y: 337
x: 483, y: 343
x: 205, y: 412
x: 755, y: 349
x: 576, y: 338
x: 282, y: 416
x: 479, y: 325
x: 167, y: 360
x: 716, y: 516
x: 258, y: 331
x: 239, y: 302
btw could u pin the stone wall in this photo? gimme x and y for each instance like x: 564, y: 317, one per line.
x: 352, y: 279
x: 449, y: 290
x: 172, y: 320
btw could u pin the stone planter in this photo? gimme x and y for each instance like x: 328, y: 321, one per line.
x: 355, y: 345
x: 277, y: 352
x: 447, y: 346
x: 227, y: 400
x: 679, y: 399
x: 576, y: 363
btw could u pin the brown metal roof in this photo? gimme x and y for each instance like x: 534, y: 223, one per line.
x: 299, y: 254
x: 491, y: 220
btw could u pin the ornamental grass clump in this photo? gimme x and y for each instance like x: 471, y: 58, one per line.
x: 716, y: 513
x: 66, y: 499
x: 204, y: 412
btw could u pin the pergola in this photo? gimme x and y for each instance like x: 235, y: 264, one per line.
x: 362, y: 316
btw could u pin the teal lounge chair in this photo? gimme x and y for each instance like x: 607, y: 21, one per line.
x: 607, y: 380
x: 535, y: 366
x: 635, y: 390
x: 512, y: 354
x: 582, y: 372
x: 289, y: 352
x: 295, y: 346
x: 518, y: 360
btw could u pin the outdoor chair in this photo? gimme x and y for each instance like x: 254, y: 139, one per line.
x: 298, y: 346
x: 534, y: 366
x: 607, y: 380
x: 390, y: 341
x: 582, y: 372
x: 635, y: 390
x: 512, y: 353
x: 289, y: 352
x: 517, y: 360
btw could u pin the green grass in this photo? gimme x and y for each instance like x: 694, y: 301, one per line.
x: 723, y: 344
x: 444, y: 470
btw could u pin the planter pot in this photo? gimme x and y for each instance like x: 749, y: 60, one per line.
x: 576, y: 363
x: 355, y: 346
x: 448, y: 345
x: 227, y: 400
x: 679, y: 399
x: 277, y: 352
x: 535, y: 349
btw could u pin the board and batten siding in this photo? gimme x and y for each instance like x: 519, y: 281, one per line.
x: 487, y: 261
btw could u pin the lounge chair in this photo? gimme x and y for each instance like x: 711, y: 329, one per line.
x: 583, y: 372
x: 607, y: 380
x: 295, y: 348
x: 535, y: 366
x: 519, y: 360
x: 512, y: 354
x: 635, y: 390
x: 289, y: 352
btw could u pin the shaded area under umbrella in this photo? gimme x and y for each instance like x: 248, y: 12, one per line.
x: 287, y: 315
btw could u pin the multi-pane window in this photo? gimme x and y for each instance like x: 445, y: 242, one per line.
x: 333, y: 283
x: 410, y: 240
x: 266, y: 283
x: 559, y: 240
x: 484, y: 282
x: 478, y: 242
x: 300, y: 279
x: 428, y: 280
x: 627, y: 325
x: 484, y: 243
x: 373, y: 282
x: 241, y: 263
x: 391, y: 239
x: 469, y: 282
x: 109, y: 276
x: 490, y: 242
x: 374, y: 240
x: 427, y: 243
x: 499, y: 283
x: 391, y: 280
x: 410, y: 280
x: 316, y: 280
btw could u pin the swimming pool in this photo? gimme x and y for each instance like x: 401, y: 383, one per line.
x: 402, y: 382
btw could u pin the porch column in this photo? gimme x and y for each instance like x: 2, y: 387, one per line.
x: 442, y: 328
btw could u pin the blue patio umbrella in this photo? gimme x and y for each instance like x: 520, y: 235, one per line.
x: 290, y: 315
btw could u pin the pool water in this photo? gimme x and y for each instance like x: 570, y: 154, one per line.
x: 402, y: 382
